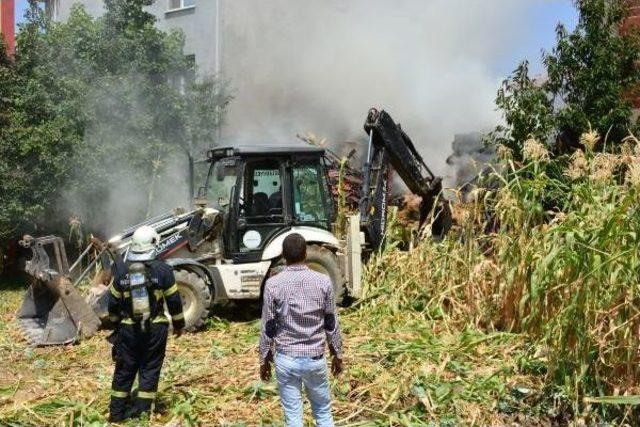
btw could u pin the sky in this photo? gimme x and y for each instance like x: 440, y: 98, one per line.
x: 21, y: 6
x: 545, y: 14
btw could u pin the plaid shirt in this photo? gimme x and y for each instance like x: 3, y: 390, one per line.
x: 299, y: 314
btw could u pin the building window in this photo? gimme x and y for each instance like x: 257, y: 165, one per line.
x: 181, y: 4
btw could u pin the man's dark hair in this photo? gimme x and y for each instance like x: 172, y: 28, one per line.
x: 294, y: 248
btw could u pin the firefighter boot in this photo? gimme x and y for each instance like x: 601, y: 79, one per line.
x: 118, y: 407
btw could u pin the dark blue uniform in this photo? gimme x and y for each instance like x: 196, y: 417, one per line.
x: 140, y: 344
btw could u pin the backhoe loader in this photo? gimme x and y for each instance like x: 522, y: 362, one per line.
x: 230, y: 242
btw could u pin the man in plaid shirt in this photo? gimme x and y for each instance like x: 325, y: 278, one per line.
x: 299, y: 317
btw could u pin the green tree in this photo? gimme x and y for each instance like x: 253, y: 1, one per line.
x: 527, y: 110
x: 590, y: 74
x: 36, y: 137
x: 109, y: 104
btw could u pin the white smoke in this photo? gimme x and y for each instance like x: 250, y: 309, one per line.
x: 318, y: 66
x: 297, y: 66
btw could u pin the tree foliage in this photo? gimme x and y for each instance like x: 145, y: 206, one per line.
x: 590, y: 74
x: 96, y: 114
x: 527, y: 110
x: 38, y: 134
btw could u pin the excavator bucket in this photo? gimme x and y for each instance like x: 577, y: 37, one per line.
x: 53, y: 311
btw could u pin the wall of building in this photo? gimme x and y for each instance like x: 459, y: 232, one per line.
x: 59, y: 10
x: 633, y: 22
x: 198, y: 24
x: 7, y: 23
x: 199, y: 27
x: 634, y: 13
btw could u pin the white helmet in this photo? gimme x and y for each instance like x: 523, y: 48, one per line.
x: 144, y: 240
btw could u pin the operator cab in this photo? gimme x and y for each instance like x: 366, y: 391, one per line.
x: 263, y: 191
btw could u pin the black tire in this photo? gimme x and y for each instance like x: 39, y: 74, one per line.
x: 324, y: 261
x: 196, y: 298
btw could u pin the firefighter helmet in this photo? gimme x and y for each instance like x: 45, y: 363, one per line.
x: 144, y: 240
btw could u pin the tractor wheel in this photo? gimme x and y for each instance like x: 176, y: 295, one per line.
x: 196, y: 298
x: 324, y: 261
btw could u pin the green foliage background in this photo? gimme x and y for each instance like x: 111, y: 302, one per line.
x: 590, y: 75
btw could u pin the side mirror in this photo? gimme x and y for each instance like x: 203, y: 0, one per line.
x: 221, y: 172
x: 201, y: 199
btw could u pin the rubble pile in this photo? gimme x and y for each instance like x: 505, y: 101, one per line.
x: 408, y: 208
x: 352, y: 180
x: 470, y: 158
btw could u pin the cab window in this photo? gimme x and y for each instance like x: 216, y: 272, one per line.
x: 261, y: 213
x: 310, y: 201
x: 263, y: 190
x: 221, y: 182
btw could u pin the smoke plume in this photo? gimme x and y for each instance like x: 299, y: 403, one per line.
x: 470, y: 158
x: 296, y: 67
x: 318, y: 66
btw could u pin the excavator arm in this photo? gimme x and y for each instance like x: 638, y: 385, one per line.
x: 390, y: 149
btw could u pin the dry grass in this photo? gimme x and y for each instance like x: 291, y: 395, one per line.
x: 402, y: 369
x: 562, y: 268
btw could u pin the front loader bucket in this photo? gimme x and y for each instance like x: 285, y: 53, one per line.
x: 53, y: 312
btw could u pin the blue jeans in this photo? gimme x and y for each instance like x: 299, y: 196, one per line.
x: 291, y: 373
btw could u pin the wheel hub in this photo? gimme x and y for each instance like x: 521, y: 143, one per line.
x: 189, y: 305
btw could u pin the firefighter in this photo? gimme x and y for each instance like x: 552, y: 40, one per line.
x: 141, y: 284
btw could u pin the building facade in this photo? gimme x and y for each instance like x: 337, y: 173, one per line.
x: 199, y: 20
x: 257, y: 48
x: 7, y: 24
x: 633, y: 22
